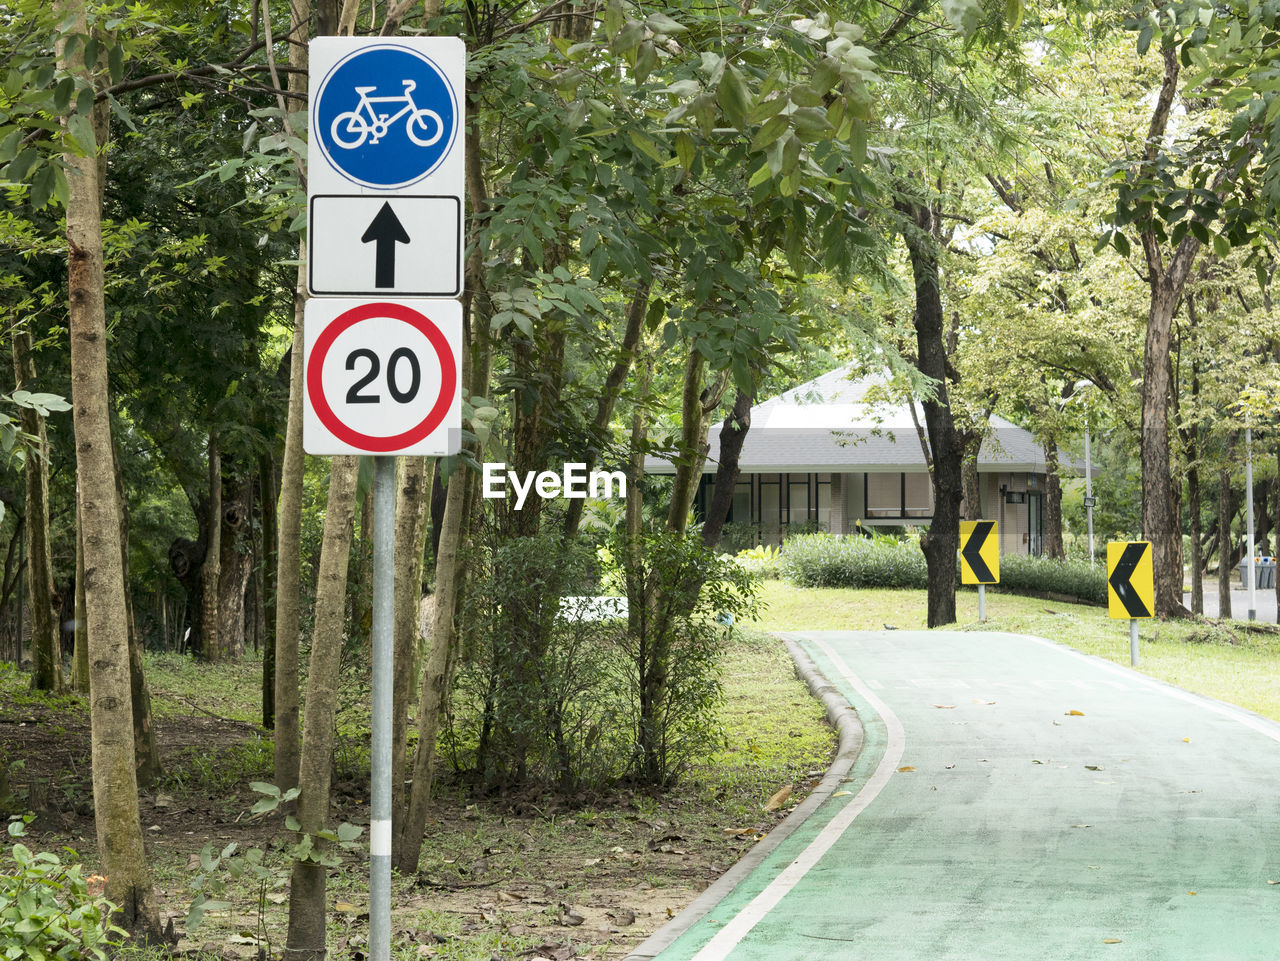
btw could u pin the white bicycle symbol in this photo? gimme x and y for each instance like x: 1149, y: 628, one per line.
x: 352, y: 128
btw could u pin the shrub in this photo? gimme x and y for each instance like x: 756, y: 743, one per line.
x: 762, y: 561
x: 827, y: 560
x: 47, y: 912
x: 1071, y: 578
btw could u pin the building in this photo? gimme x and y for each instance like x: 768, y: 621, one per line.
x: 825, y: 455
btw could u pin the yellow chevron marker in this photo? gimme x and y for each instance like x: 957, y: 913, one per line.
x: 979, y: 552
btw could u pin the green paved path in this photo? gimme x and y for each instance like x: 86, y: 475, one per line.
x: 984, y: 819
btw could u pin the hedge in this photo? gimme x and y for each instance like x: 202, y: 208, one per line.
x: 826, y: 560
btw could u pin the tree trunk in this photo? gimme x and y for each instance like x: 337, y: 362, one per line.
x: 115, y: 786
x: 733, y: 435
x: 431, y: 699
x: 46, y: 634
x: 942, y: 541
x: 696, y: 405
x: 412, y: 495
x: 306, y: 940
x: 1197, y: 552
x: 1052, y: 503
x: 971, y: 500
x: 1226, y: 554
x: 146, y: 752
x: 267, y: 496
x: 235, y: 564
x: 80, y: 658
x: 211, y: 569
x: 287, y: 742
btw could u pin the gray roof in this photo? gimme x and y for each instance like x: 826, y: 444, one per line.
x: 831, y: 425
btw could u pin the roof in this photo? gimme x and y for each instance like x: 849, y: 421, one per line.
x: 829, y: 425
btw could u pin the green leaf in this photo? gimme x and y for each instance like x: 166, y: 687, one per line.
x: 661, y: 23
x: 686, y: 151
x: 115, y: 62
x: 769, y: 131
x: 1121, y: 243
x: 349, y: 832
x: 670, y: 334
x: 646, y: 60
x: 42, y: 187
x: 9, y: 146
x: 80, y: 131
x: 734, y: 98
x: 1144, y: 39
x: 963, y: 14
x: 62, y: 94
x: 1221, y: 245
x: 22, y: 164
x: 1013, y: 14
x: 760, y: 176
x: 629, y: 37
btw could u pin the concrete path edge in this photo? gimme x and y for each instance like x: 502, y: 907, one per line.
x: 841, y: 716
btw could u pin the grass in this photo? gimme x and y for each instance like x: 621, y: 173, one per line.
x: 1223, y: 659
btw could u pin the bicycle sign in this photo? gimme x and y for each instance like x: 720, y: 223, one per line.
x: 386, y: 114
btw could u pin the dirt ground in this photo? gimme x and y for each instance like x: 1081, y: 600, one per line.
x: 526, y: 877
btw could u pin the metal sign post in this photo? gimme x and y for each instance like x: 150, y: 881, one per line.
x: 980, y: 558
x: 384, y: 556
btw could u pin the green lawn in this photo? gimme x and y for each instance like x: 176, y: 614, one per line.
x: 1223, y: 659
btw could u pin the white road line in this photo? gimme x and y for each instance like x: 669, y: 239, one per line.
x: 727, y: 938
x: 1263, y: 726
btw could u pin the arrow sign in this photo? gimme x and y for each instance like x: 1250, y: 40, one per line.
x: 385, y: 232
x: 979, y: 553
x: 1130, y: 580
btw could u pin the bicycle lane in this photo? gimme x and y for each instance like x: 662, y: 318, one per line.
x: 1014, y: 799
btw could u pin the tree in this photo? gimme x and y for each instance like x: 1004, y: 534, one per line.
x: 124, y: 858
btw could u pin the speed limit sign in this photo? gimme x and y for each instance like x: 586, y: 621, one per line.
x: 381, y: 377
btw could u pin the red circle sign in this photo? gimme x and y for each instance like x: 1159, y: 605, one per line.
x: 372, y: 443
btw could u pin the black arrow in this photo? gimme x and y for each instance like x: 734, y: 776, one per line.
x: 1119, y: 579
x: 971, y: 552
x: 386, y: 231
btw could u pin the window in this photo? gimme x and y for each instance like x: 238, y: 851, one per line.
x: 797, y: 498
x: 899, y: 495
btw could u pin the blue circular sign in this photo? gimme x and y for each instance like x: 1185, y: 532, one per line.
x: 385, y: 116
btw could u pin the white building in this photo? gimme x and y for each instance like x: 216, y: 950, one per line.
x: 825, y: 454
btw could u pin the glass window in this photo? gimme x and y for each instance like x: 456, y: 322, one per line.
x: 740, y: 509
x: 884, y: 495
x: 770, y: 503
x: 919, y: 495
x: 798, y: 495
x: 824, y: 501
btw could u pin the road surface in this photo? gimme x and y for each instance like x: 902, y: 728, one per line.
x: 1013, y: 799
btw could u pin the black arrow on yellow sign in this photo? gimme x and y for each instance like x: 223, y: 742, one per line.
x: 1129, y: 594
x: 975, y: 554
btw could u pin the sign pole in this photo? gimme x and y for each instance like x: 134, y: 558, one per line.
x: 1133, y: 642
x: 384, y: 552
x: 982, y: 603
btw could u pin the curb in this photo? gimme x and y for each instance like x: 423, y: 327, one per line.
x: 844, y: 719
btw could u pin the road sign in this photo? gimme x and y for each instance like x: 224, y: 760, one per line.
x: 381, y: 377
x: 402, y: 246
x: 1131, y: 588
x: 979, y: 552
x: 387, y: 135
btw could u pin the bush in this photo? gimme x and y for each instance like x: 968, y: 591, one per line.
x: 828, y: 560
x: 46, y: 910
x: 762, y: 561
x: 1071, y: 578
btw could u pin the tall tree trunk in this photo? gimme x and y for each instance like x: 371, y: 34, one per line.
x: 733, y: 435
x: 80, y: 656
x: 46, y: 634
x: 211, y: 569
x: 1052, y: 503
x: 1226, y: 553
x: 115, y: 786
x: 412, y: 495
x: 235, y: 565
x: 146, y: 751
x: 1197, y: 525
x: 306, y: 941
x: 942, y: 541
x: 267, y: 496
x: 287, y: 744
x: 971, y: 499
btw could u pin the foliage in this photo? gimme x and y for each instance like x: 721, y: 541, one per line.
x: 830, y: 560
x: 761, y: 561
x: 1070, y: 578
x: 682, y: 597
x: 47, y: 911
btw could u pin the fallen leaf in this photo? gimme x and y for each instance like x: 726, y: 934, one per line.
x: 345, y: 907
x: 1074, y: 714
x: 591, y: 862
x: 950, y: 766
x: 842, y: 794
x: 906, y: 767
x: 1082, y: 825
x: 978, y: 700
x: 945, y: 707
x: 624, y: 916
x: 1111, y: 940
x: 1093, y: 767
x: 778, y: 799
x: 1192, y: 893
x: 1186, y: 740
